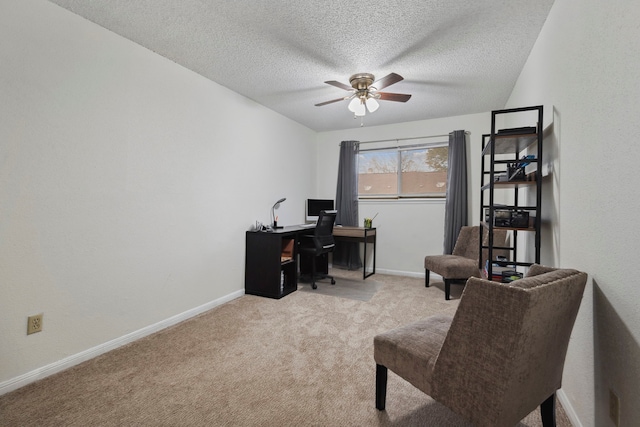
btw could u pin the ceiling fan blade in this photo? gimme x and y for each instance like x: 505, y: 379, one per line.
x: 387, y: 81
x: 398, y: 97
x: 329, y: 102
x: 338, y: 84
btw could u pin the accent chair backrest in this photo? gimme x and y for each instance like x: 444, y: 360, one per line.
x: 504, y: 352
x: 468, y: 246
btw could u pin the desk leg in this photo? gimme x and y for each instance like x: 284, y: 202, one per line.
x: 364, y: 261
x: 364, y: 267
x: 375, y: 237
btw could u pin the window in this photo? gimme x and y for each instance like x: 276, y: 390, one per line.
x: 411, y: 171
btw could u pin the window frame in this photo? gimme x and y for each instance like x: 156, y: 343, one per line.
x: 399, y: 149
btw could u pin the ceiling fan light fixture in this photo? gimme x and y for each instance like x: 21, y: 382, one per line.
x: 353, y: 105
x: 360, y: 109
x: 372, y: 105
x: 365, y: 95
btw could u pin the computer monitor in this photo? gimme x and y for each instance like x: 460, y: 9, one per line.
x: 314, y: 206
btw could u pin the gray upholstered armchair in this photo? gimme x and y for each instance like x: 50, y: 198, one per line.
x: 499, y: 357
x: 463, y: 262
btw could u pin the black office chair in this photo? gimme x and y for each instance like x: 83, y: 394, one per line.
x: 319, y: 243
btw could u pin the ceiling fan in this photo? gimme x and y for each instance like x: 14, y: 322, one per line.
x: 365, y: 91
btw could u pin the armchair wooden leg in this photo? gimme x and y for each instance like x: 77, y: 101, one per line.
x: 426, y: 278
x: 548, y: 411
x: 381, y: 386
x: 447, y: 289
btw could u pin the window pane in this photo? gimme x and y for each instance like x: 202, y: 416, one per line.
x: 378, y: 173
x: 424, y: 171
x: 397, y: 172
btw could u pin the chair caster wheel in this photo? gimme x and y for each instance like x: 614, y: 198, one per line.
x: 314, y: 286
x: 333, y: 282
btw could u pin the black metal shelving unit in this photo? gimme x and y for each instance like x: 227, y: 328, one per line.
x: 509, y: 144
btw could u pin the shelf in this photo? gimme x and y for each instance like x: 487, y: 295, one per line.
x: 270, y: 263
x: 502, y: 151
x: 286, y: 255
x: 509, y: 228
x: 512, y: 264
x: 508, y: 184
x: 511, y: 207
x: 510, y: 144
x: 500, y: 248
x: 506, y: 162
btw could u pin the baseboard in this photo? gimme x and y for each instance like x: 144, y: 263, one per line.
x: 568, y: 408
x: 75, y: 359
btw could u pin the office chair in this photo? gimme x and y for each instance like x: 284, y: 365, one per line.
x: 320, y: 243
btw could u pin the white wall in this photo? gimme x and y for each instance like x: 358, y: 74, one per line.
x: 126, y: 185
x: 407, y: 230
x: 585, y: 63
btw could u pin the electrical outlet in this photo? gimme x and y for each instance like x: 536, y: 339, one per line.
x: 34, y: 324
x: 614, y: 408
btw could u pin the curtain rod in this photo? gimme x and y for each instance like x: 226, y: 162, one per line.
x: 408, y: 139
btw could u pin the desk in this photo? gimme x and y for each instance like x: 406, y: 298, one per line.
x: 270, y: 265
x: 359, y: 234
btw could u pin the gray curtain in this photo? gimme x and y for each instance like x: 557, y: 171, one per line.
x: 347, y: 254
x: 456, y: 211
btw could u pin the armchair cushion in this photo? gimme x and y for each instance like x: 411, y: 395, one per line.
x: 411, y: 350
x: 452, y: 266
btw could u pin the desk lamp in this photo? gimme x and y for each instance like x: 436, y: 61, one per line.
x: 273, y: 218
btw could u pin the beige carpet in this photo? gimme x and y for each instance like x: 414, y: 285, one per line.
x: 304, y: 360
x: 357, y: 289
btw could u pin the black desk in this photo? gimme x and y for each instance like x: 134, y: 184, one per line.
x: 271, y: 268
x: 270, y: 265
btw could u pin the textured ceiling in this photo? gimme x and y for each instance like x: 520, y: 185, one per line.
x: 457, y: 56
